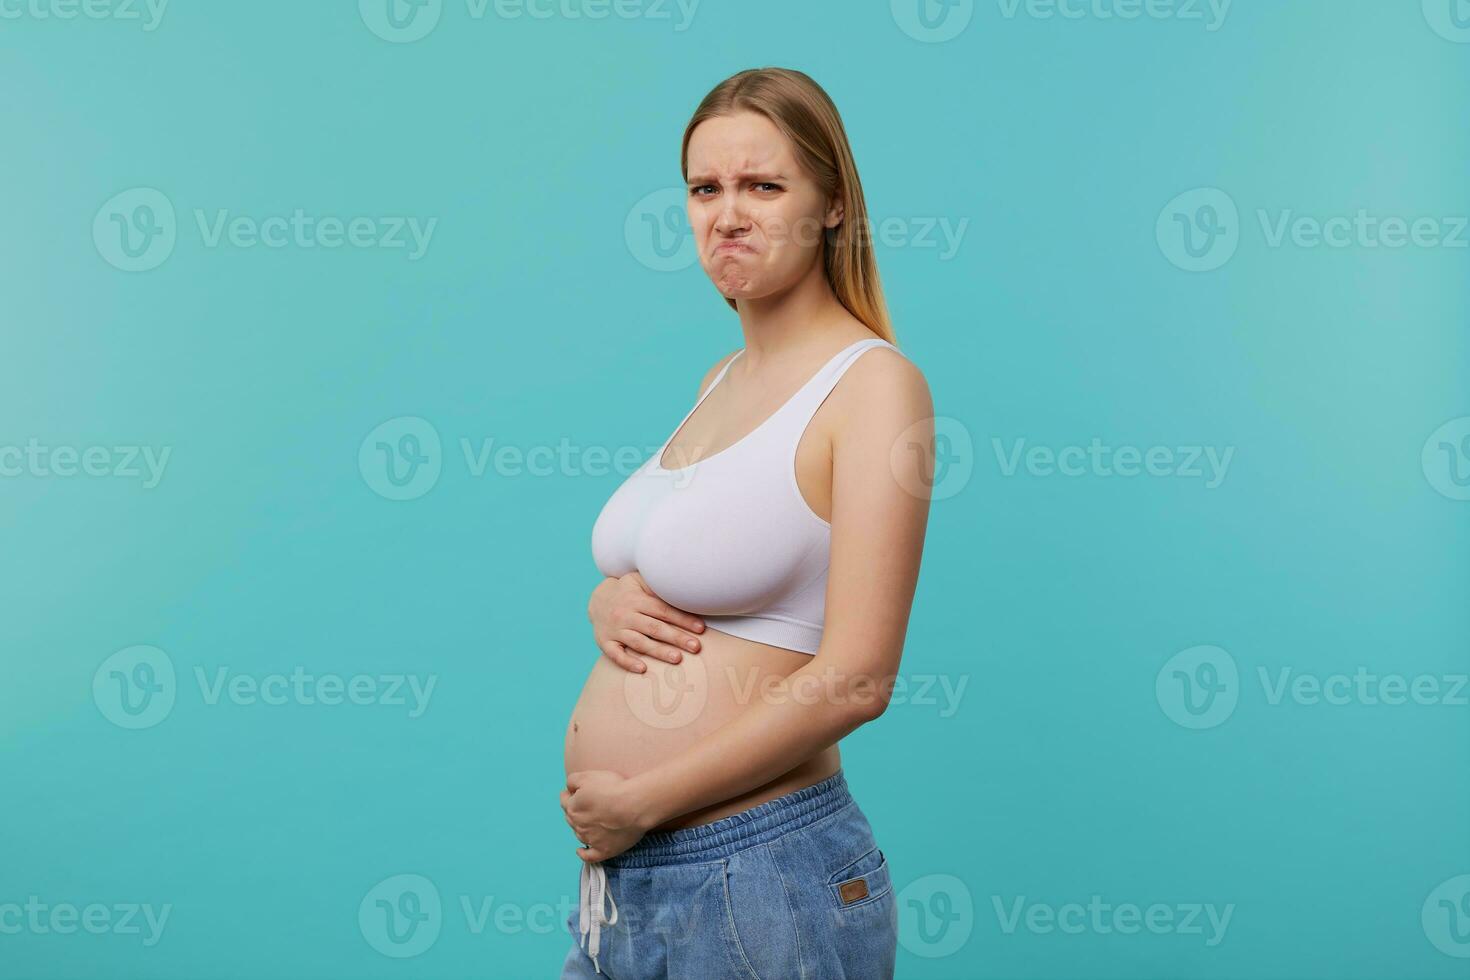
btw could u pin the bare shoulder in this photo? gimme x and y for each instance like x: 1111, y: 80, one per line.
x: 883, y: 389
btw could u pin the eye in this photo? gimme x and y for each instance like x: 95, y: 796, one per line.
x: 694, y: 191
x: 767, y: 185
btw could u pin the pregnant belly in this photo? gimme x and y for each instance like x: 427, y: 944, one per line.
x: 628, y: 723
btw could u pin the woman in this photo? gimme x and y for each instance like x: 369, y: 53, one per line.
x: 778, y: 525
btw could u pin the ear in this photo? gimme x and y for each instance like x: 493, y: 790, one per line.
x: 835, y: 213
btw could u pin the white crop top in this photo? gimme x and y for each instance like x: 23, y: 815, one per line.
x: 730, y: 537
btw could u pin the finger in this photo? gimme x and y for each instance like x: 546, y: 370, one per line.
x: 656, y: 607
x: 648, y: 647
x: 590, y: 854
x: 671, y: 635
x: 574, y: 780
x: 623, y: 658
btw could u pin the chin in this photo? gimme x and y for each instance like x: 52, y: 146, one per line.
x: 740, y: 291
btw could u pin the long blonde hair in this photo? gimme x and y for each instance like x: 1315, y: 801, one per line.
x: 799, y: 108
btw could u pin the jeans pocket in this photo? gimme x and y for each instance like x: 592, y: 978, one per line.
x: 861, y: 882
x: 764, y: 940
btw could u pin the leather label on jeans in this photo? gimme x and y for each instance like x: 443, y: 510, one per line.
x: 853, y: 890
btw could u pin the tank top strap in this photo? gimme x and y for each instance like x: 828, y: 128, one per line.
x: 810, y: 398
x: 719, y: 376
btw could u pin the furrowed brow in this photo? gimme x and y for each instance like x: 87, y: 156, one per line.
x: 710, y: 179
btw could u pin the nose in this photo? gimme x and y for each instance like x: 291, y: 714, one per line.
x: 731, y: 218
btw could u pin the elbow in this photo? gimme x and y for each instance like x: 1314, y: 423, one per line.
x: 864, y: 701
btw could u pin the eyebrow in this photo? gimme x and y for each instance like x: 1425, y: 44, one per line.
x: 704, y: 179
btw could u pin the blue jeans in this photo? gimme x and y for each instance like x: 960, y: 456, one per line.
x: 792, y: 889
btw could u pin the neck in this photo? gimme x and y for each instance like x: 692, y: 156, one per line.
x: 801, y: 318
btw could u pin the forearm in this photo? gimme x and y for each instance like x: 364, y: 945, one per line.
x: 807, y: 713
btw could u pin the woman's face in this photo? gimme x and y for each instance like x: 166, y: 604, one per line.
x: 757, y: 216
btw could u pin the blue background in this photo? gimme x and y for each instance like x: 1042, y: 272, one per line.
x: 536, y: 317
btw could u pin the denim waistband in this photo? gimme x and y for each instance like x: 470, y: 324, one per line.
x: 761, y: 823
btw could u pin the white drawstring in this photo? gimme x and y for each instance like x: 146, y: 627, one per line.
x: 593, y: 888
